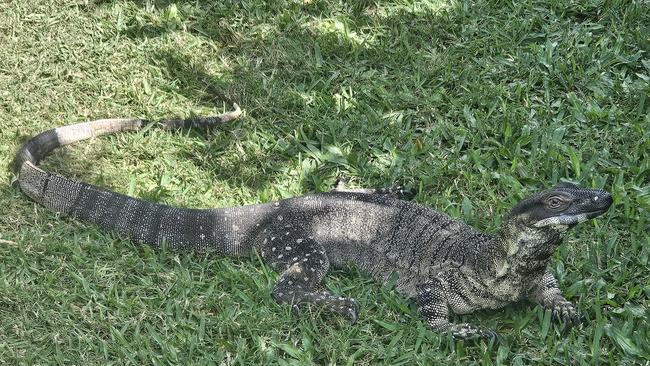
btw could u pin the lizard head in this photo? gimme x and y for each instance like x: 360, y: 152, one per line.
x: 564, y: 205
x: 535, y: 226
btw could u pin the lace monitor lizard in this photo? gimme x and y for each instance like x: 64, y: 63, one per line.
x: 446, y: 265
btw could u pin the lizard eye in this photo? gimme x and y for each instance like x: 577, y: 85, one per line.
x: 554, y: 203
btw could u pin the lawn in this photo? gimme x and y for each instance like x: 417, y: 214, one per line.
x: 473, y: 104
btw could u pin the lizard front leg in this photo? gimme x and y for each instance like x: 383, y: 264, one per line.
x: 548, y: 295
x: 433, y: 301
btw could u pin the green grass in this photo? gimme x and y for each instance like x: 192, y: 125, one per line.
x: 473, y: 104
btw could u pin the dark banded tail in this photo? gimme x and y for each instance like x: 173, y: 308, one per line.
x: 144, y: 222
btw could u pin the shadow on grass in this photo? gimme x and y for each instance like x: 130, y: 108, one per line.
x: 279, y: 67
x: 481, y: 67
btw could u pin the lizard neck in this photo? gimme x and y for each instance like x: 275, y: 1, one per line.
x: 526, y: 250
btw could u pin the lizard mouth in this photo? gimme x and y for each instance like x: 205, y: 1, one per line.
x: 586, y: 215
x: 595, y: 213
x: 599, y: 206
x: 570, y: 220
x: 583, y: 216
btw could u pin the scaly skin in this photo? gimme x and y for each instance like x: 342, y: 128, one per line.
x: 446, y: 265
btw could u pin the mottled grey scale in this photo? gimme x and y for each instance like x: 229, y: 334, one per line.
x: 128, y: 209
x: 446, y: 265
x: 474, y: 291
x: 143, y: 228
x: 174, y: 223
x: 396, y: 254
x: 422, y: 241
x: 109, y: 209
x: 58, y: 192
x: 442, y: 242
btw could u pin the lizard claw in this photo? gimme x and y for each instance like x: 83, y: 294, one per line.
x: 296, y: 309
x: 581, y: 320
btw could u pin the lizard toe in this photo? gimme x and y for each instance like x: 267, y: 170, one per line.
x: 350, y: 309
x: 490, y: 334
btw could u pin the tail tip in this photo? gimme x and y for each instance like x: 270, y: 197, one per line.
x: 236, y: 110
x: 232, y: 115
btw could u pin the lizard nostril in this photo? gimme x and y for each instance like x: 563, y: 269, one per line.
x: 603, y: 199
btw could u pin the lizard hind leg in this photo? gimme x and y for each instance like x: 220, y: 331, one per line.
x: 303, y: 263
x: 433, y: 303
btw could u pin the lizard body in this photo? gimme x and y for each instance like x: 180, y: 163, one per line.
x: 446, y: 265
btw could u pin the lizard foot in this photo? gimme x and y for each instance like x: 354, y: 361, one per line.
x: 566, y: 312
x: 400, y: 192
x: 467, y: 331
x: 347, y: 307
x: 344, y: 306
